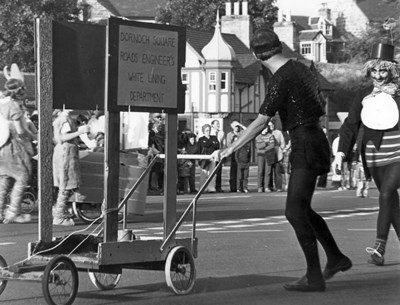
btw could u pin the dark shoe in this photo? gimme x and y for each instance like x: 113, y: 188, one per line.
x: 374, y: 259
x: 304, y: 285
x: 194, y: 191
x: 342, y: 265
x: 220, y: 190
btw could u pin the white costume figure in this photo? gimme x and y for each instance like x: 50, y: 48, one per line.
x: 15, y: 148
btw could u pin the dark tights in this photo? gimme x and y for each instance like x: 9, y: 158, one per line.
x: 308, y: 225
x: 387, y: 180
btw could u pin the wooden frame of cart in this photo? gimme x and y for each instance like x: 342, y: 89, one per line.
x: 137, y: 69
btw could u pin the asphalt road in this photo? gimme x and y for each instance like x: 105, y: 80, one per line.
x: 247, y: 251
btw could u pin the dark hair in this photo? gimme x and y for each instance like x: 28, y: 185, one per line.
x: 14, y: 88
x: 265, y: 44
x: 82, y: 119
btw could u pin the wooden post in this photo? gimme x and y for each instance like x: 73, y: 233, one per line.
x: 111, y: 162
x: 111, y: 175
x: 44, y: 100
x: 170, y: 172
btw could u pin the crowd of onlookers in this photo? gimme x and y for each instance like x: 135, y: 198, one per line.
x: 271, y: 156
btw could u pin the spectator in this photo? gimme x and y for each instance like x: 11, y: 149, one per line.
x: 286, y: 161
x: 192, y: 149
x: 323, y: 179
x: 276, y: 178
x: 230, y: 138
x: 207, y: 145
x: 242, y: 157
x: 361, y: 180
x: 157, y: 146
x: 216, y: 131
x: 184, y: 166
x: 263, y: 169
x: 337, y: 178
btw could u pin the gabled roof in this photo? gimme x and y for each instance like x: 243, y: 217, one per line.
x: 309, y: 35
x: 136, y: 8
x: 314, y: 20
x: 302, y: 22
x: 379, y: 10
x: 289, y: 53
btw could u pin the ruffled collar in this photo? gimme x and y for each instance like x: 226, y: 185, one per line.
x: 391, y: 89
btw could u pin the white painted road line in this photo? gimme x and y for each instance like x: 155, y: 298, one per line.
x: 246, y: 231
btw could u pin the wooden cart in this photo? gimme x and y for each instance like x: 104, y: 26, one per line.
x: 55, y: 263
x: 56, y: 266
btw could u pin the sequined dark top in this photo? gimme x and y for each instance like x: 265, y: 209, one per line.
x: 293, y: 92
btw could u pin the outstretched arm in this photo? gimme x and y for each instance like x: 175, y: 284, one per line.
x: 247, y: 136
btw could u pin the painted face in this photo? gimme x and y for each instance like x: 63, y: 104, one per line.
x: 380, y: 76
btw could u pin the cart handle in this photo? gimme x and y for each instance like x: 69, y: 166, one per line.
x: 192, y: 205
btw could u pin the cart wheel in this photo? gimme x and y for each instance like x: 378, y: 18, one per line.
x: 60, y: 281
x: 3, y: 283
x: 180, y: 272
x: 104, y: 281
x: 28, y: 202
x: 88, y: 212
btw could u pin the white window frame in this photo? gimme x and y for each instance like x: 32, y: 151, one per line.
x: 306, y: 46
x: 212, y: 81
x: 185, y: 80
x: 224, y: 81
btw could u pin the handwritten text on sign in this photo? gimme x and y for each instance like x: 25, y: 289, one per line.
x: 147, y: 64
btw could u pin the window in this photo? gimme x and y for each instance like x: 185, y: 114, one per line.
x: 306, y: 48
x: 212, y: 81
x: 224, y: 80
x: 185, y: 81
x: 328, y: 30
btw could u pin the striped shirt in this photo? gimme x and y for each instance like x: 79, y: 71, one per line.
x: 389, y: 151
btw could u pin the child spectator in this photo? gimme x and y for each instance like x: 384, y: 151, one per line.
x: 192, y: 149
x: 362, y: 182
x: 242, y: 157
x: 184, y: 166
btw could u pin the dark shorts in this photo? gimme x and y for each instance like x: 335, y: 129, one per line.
x: 310, y: 149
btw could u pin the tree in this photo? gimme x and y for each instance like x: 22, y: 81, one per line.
x: 358, y: 49
x: 189, y: 13
x: 202, y: 14
x: 17, y: 27
x: 263, y: 13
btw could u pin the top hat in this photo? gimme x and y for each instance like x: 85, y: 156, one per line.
x: 383, y: 51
